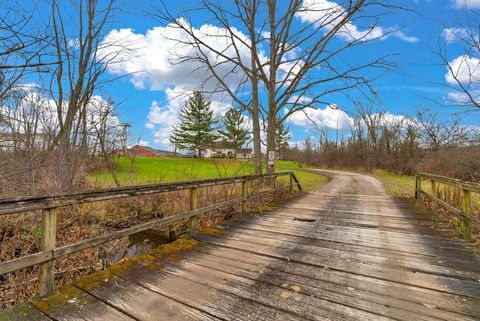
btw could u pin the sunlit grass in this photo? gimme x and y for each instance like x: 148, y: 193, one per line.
x: 145, y: 170
x: 396, y: 185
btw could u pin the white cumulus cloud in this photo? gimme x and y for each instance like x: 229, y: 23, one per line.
x: 454, y: 34
x: 329, y: 14
x: 465, y: 69
x: 155, y: 60
x: 468, y: 4
x: 328, y: 117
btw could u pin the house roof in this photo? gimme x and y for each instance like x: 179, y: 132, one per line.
x: 153, y: 150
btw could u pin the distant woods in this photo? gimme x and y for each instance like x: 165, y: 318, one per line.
x: 377, y: 140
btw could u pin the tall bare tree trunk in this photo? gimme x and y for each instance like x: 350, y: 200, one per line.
x: 272, y: 108
x: 255, y: 112
x: 271, y: 132
x: 255, y: 109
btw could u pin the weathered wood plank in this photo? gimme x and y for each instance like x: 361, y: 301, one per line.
x: 208, y: 268
x: 286, y: 298
x: 462, y: 269
x: 29, y: 260
x: 350, y: 295
x: 204, y: 298
x: 365, y: 234
x: 71, y: 303
x: 470, y: 186
x: 46, y: 279
x: 411, y: 277
x: 370, y: 284
x: 22, y: 312
x: 141, y: 303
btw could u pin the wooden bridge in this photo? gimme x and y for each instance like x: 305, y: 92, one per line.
x: 346, y: 252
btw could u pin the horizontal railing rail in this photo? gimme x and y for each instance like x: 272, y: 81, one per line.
x: 50, y: 203
x: 466, y: 188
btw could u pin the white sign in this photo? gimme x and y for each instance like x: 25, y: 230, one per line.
x: 271, y: 159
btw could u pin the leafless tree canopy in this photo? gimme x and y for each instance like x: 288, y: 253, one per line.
x: 51, y: 126
x: 463, y: 72
x: 294, y: 50
x: 22, y: 44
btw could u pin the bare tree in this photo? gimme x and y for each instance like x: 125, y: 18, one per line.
x: 245, y: 68
x: 436, y: 133
x: 372, y: 121
x: 22, y: 45
x: 106, y: 134
x: 463, y: 72
x: 298, y: 64
x: 82, y: 58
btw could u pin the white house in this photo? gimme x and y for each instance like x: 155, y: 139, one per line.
x: 227, y: 153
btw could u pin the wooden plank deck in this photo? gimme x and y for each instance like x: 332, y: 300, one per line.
x: 347, y: 252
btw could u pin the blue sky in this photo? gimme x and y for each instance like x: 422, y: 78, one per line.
x: 146, y: 102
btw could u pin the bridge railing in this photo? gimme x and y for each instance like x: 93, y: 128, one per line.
x: 463, y: 212
x: 49, y: 205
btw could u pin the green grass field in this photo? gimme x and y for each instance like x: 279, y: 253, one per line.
x: 144, y: 170
x: 396, y: 185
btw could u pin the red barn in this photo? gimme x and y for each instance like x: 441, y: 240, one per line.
x: 143, y: 151
x: 150, y: 152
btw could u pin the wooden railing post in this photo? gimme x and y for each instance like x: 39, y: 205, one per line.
x: 46, y: 281
x: 435, y: 195
x: 418, y: 188
x: 290, y: 190
x: 466, y: 210
x: 193, y: 206
x: 193, y: 199
x: 274, y: 187
x: 244, y: 194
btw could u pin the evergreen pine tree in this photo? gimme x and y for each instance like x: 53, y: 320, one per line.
x: 281, y: 137
x: 234, y: 135
x: 196, y: 129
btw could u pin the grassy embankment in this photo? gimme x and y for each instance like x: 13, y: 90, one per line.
x: 396, y: 185
x: 144, y: 170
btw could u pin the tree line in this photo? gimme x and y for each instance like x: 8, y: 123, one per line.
x: 424, y: 141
